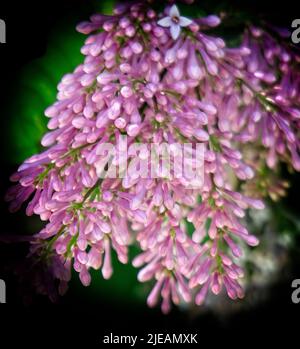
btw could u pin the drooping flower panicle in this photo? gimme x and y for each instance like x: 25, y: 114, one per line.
x: 188, y: 87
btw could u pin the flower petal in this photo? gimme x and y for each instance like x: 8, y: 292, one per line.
x: 184, y: 22
x: 175, y: 31
x: 165, y: 22
x: 174, y: 12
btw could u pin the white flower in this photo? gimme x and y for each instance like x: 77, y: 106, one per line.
x: 175, y: 22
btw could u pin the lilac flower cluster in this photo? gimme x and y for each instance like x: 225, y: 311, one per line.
x: 274, y: 82
x: 161, y: 78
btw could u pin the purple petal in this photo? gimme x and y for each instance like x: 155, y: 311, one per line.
x: 175, y: 31
x: 165, y: 22
x: 184, y: 22
x: 174, y: 12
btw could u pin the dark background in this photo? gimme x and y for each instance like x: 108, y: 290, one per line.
x: 76, y: 318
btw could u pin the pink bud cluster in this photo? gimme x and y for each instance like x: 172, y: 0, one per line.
x: 138, y: 81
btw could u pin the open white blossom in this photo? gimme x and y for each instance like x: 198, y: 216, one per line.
x: 175, y: 22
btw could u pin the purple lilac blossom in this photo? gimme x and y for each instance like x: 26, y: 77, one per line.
x: 160, y: 78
